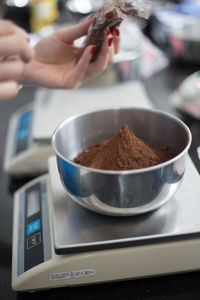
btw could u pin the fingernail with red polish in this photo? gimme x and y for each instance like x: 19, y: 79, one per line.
x: 93, y: 49
x: 117, y: 31
x: 28, y: 39
x: 110, y: 41
x: 90, y: 16
x: 108, y: 31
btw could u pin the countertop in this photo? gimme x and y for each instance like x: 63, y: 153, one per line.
x: 179, y: 286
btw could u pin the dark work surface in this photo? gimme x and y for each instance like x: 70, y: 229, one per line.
x: 180, y: 286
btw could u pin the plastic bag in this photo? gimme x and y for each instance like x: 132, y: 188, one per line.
x: 111, y: 14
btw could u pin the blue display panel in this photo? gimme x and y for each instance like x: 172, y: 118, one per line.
x: 34, y: 226
x: 23, y: 132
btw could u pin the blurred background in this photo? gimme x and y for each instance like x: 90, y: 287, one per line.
x: 171, y: 33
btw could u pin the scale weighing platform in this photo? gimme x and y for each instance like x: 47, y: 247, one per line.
x: 28, y: 143
x: 58, y: 243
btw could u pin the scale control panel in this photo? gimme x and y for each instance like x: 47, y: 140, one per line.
x: 36, y: 265
x: 34, y: 244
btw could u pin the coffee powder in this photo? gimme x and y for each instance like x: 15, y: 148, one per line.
x: 124, y: 151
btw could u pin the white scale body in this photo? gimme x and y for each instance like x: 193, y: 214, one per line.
x: 58, y: 243
x: 28, y: 143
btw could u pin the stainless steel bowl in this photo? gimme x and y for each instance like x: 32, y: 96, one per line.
x: 121, y: 193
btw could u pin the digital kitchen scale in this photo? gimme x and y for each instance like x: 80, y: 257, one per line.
x: 58, y: 243
x: 29, y: 135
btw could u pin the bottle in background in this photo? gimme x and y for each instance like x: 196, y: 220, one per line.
x: 43, y: 13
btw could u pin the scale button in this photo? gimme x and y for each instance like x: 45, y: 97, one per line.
x: 34, y: 226
x: 34, y: 240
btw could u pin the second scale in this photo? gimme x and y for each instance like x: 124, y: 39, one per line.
x: 30, y: 129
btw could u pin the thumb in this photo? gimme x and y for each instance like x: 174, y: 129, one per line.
x: 68, y: 35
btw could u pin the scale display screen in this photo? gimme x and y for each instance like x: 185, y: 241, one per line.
x: 33, y: 203
x: 23, y: 132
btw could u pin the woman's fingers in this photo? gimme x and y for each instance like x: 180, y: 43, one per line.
x: 85, y: 67
x: 14, y: 53
x: 8, y: 89
x: 105, y: 55
x: 116, y: 40
x: 82, y: 66
x: 11, y: 69
x: 7, y: 27
x: 15, y: 44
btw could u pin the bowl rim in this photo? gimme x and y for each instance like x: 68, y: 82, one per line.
x: 123, y: 172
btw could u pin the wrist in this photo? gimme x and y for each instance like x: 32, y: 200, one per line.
x: 25, y: 77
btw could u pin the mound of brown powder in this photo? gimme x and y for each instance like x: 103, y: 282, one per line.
x: 124, y: 151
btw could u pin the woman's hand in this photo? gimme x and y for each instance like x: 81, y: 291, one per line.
x: 55, y: 64
x: 15, y: 53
